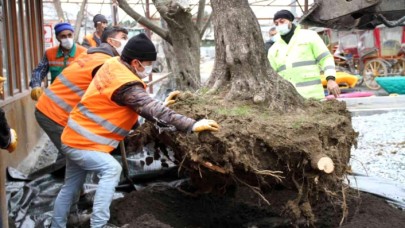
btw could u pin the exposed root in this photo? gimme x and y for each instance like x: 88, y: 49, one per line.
x: 299, y: 188
x: 181, y: 165
x: 361, y: 163
x: 254, y: 189
x: 199, y: 171
x: 345, y: 210
x: 306, y: 210
x: 270, y: 173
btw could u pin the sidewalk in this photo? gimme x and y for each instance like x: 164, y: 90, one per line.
x: 374, y: 105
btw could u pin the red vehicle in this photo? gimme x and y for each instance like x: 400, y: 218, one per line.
x: 372, y: 53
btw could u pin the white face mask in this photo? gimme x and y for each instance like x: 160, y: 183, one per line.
x: 67, y: 43
x: 146, y: 72
x: 274, y: 38
x: 121, y: 47
x: 283, y: 29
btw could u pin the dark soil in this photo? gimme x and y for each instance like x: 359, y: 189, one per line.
x: 257, y: 171
x: 260, y: 148
x: 173, y: 208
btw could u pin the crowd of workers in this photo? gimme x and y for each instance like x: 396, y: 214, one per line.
x: 97, y: 94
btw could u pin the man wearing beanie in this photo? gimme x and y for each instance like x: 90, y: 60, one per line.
x: 300, y: 56
x: 104, y: 116
x: 55, y: 58
x: 93, y: 40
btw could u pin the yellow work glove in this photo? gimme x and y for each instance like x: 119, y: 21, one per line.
x: 13, y: 141
x: 36, y: 93
x: 171, y: 98
x: 205, y: 125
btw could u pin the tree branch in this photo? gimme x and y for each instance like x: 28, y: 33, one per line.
x: 123, y: 4
x: 79, y: 20
x: 200, y: 14
x: 59, y: 10
x: 205, y: 26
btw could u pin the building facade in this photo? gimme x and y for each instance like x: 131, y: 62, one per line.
x: 21, y: 41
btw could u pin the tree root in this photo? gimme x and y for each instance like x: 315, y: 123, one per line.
x: 345, y: 210
x: 254, y: 189
x: 270, y: 173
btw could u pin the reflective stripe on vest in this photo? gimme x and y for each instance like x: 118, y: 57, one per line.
x: 298, y: 64
x: 321, y: 56
x: 71, y: 85
x: 103, y: 122
x: 90, y: 135
x: 58, y: 101
x: 58, y: 63
x: 308, y: 83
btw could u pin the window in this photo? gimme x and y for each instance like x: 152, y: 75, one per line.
x: 21, y: 43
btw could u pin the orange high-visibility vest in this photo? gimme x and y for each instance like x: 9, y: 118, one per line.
x: 57, y: 60
x: 68, y: 88
x: 90, y: 39
x: 98, y: 123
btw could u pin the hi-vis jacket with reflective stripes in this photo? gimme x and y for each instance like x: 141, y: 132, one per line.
x: 98, y: 123
x: 68, y: 88
x: 58, y: 61
x: 301, y: 61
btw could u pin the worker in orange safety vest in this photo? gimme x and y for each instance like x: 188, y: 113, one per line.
x: 93, y: 39
x: 53, y: 107
x: 56, y: 58
x: 103, y: 117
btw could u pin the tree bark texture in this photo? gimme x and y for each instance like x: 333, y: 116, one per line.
x: 185, y: 37
x: 59, y: 10
x: 241, y: 63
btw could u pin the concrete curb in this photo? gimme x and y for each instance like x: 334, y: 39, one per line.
x: 374, y: 105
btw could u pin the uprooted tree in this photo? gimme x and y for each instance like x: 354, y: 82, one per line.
x: 270, y: 136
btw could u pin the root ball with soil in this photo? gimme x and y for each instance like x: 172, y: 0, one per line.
x: 307, y: 150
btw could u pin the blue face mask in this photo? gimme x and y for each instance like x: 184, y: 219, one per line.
x: 273, y: 38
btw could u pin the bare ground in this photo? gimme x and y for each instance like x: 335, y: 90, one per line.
x: 172, y: 208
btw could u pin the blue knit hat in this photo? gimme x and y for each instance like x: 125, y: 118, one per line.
x: 62, y: 27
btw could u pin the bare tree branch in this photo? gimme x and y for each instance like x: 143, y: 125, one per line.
x: 200, y: 14
x: 205, y: 26
x: 123, y: 4
x: 79, y: 19
x: 59, y: 11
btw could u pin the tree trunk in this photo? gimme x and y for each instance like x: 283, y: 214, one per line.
x: 182, y: 34
x: 241, y: 64
x: 185, y: 37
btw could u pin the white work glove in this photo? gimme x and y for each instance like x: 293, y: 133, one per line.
x: 205, y: 125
